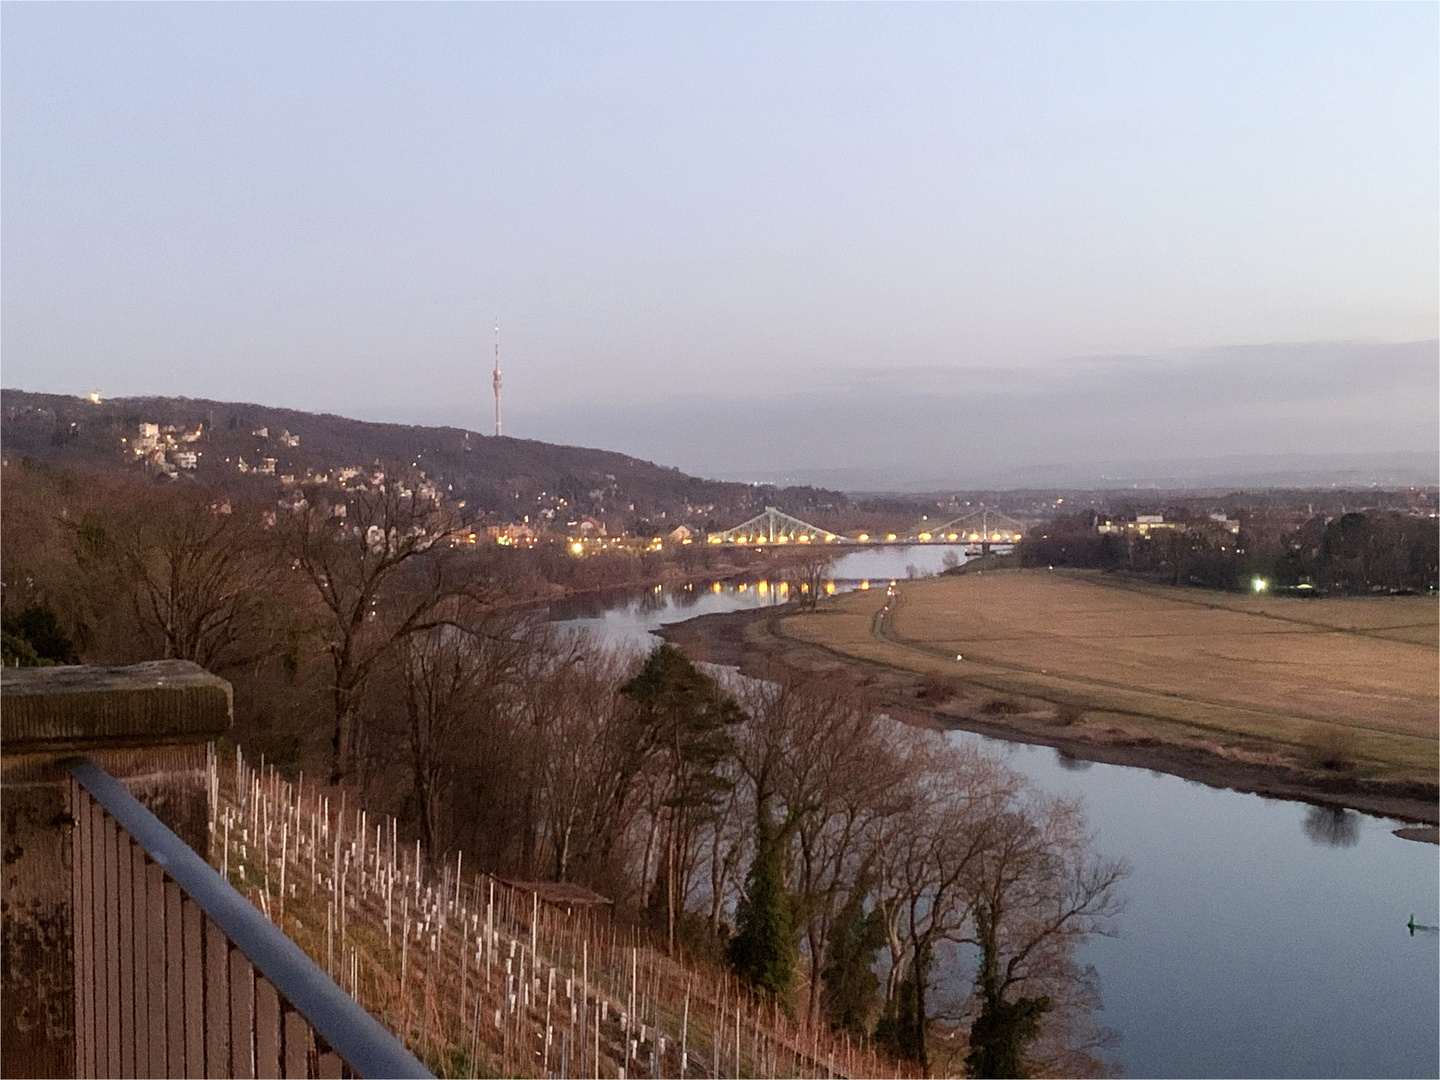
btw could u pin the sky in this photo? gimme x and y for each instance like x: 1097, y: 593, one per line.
x: 747, y: 240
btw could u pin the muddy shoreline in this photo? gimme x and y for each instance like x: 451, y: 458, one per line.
x: 751, y: 641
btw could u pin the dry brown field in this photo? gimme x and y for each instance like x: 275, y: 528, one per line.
x: 1298, y: 676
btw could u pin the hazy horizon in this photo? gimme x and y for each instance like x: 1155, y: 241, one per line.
x: 743, y: 240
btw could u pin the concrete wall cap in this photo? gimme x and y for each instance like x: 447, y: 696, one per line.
x: 52, y: 709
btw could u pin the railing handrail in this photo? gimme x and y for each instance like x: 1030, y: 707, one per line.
x: 361, y: 1040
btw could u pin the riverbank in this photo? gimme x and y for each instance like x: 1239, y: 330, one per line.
x: 922, y: 686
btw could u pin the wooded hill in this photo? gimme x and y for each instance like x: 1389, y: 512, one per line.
x: 503, y: 478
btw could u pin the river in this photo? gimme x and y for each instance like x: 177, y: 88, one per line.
x: 1260, y: 937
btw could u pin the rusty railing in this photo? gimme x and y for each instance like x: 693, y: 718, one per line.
x: 178, y: 974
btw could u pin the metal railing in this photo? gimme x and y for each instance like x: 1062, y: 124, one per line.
x: 178, y: 974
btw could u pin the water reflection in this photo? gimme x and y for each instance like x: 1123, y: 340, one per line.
x: 1332, y: 826
x: 1069, y: 762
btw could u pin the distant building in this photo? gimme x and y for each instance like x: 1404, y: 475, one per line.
x: 261, y: 433
x: 185, y: 459
x: 1144, y: 524
x: 289, y: 440
x: 506, y: 533
x: 1231, y: 525
x: 148, y: 439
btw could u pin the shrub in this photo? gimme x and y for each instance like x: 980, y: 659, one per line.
x: 1330, y: 748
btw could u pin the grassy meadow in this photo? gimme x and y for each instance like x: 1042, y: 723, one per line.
x: 1343, y: 683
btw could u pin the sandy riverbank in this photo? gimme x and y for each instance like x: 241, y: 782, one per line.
x: 913, y: 691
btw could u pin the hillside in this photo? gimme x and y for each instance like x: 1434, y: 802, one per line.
x: 238, y: 444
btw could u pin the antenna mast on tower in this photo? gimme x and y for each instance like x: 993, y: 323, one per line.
x: 497, y: 376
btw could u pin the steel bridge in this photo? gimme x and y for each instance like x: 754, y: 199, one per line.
x: 773, y: 526
x: 983, y: 526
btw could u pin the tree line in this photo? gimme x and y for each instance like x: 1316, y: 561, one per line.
x: 844, y: 864
x: 1358, y: 552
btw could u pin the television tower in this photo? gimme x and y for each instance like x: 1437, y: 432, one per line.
x: 497, y: 377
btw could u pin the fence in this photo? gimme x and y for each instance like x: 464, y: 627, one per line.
x: 177, y: 974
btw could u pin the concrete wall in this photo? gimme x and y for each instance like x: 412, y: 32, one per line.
x: 147, y: 725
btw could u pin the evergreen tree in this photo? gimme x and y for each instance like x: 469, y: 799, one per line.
x: 684, y: 719
x: 764, y: 947
x: 901, y: 1028
x: 33, y: 638
x: 849, y: 980
x: 999, y: 1035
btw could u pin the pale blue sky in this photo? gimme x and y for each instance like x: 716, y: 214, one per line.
x: 695, y: 206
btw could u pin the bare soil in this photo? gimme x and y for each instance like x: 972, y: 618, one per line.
x: 1331, y: 700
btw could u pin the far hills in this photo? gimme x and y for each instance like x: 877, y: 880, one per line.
x: 504, y: 479
x: 507, y: 480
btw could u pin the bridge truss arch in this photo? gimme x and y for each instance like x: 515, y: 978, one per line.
x: 983, y: 526
x: 773, y: 526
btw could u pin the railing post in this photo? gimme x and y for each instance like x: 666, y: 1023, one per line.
x: 147, y: 725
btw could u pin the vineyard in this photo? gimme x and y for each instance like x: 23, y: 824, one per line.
x: 483, y: 977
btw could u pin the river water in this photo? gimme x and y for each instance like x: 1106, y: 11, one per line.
x: 1260, y: 937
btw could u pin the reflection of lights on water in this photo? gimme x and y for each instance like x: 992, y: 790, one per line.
x: 864, y: 586
x: 763, y: 587
x: 743, y: 586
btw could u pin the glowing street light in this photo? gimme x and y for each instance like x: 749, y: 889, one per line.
x: 1259, y: 584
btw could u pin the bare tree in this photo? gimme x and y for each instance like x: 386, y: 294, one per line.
x: 816, y: 748
x: 930, y: 852
x: 810, y: 574
x: 453, y: 676
x: 383, y: 571
x: 1038, y: 890
x: 200, y: 576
